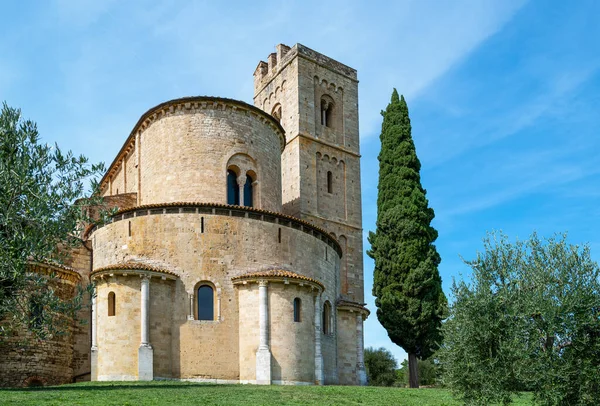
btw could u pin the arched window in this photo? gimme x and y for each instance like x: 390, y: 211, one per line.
x: 326, y: 112
x: 329, y: 182
x: 206, y: 303
x: 297, y: 309
x: 277, y: 112
x: 111, y: 304
x: 326, y: 317
x: 233, y: 191
x: 248, y: 191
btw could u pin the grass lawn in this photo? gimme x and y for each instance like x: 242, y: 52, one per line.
x: 176, y: 393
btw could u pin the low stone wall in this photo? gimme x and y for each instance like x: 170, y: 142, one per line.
x: 28, y: 361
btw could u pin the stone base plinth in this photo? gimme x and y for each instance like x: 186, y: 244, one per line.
x: 263, y: 366
x: 94, y: 364
x: 145, y: 360
x: 362, y: 377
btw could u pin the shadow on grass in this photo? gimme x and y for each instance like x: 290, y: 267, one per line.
x: 119, y: 386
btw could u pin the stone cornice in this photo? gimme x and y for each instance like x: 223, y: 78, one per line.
x: 350, y: 306
x: 187, y: 104
x: 277, y: 275
x: 62, y: 272
x: 132, y: 268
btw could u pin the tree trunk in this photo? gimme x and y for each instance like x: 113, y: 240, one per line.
x: 413, y: 371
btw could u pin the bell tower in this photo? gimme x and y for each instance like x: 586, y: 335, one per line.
x: 315, y: 98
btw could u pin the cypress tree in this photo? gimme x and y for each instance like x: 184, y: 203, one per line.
x: 407, y: 285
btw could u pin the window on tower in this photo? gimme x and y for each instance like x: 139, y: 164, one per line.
x: 327, y: 112
x: 276, y: 113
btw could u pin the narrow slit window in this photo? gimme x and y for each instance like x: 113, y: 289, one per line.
x: 297, y: 310
x: 111, y: 304
x: 129, y: 228
x: 279, y: 235
x: 329, y: 182
x: 326, y: 324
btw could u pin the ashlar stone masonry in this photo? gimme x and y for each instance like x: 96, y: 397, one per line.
x: 236, y: 253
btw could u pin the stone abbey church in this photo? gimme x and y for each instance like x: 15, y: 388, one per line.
x: 236, y: 252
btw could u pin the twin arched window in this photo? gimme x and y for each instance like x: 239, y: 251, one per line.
x: 233, y: 189
x: 205, y: 300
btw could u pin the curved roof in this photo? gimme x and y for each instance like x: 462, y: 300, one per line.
x: 184, y: 100
x: 61, y: 271
x: 132, y: 266
x: 277, y: 274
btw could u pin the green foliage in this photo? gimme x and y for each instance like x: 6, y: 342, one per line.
x: 39, y: 217
x: 429, y: 372
x: 530, y: 319
x: 407, y: 286
x: 381, y: 367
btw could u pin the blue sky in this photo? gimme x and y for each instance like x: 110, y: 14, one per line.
x: 504, y: 96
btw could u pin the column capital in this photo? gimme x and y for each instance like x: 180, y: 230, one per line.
x: 263, y: 282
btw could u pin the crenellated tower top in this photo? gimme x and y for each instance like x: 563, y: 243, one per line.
x: 276, y: 61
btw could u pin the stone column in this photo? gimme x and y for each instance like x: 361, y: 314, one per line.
x: 241, y: 181
x: 360, y: 363
x: 191, y: 314
x: 145, y: 353
x: 218, y: 304
x: 94, y: 322
x: 256, y: 197
x: 263, y: 355
x: 324, y: 106
x: 318, y: 354
x: 94, y: 350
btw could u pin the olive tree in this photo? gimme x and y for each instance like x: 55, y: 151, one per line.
x: 528, y: 320
x: 41, y: 208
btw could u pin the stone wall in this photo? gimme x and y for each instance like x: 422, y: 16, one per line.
x: 118, y: 336
x: 314, y: 147
x: 81, y: 261
x: 25, y: 360
x: 214, y: 248
x: 183, y: 147
x: 292, y: 343
x: 347, y: 356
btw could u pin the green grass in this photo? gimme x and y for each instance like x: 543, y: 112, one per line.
x: 176, y: 393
